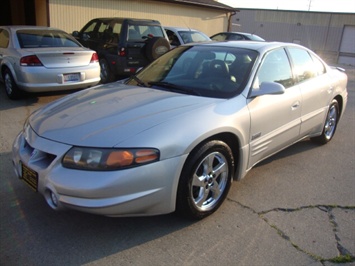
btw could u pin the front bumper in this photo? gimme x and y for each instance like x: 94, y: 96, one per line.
x: 145, y: 190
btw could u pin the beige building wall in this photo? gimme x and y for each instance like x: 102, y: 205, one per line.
x: 71, y: 15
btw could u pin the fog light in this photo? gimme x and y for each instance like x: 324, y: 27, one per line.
x: 54, y: 199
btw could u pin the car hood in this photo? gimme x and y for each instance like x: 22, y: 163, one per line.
x: 107, y: 115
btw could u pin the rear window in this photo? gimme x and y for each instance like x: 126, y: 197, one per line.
x: 45, y: 38
x: 141, y: 32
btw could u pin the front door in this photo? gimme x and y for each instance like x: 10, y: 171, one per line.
x: 275, y: 119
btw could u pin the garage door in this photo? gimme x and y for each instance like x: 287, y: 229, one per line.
x: 347, y: 46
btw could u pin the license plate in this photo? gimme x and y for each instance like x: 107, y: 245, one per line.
x: 30, y: 177
x: 71, y: 77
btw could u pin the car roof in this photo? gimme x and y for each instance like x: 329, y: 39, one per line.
x: 26, y: 27
x: 252, y: 45
x: 179, y: 28
x: 123, y: 18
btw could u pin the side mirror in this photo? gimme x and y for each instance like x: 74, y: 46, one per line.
x: 75, y: 33
x: 268, y: 88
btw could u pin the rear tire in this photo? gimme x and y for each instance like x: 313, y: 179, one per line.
x: 205, y: 180
x: 106, y: 74
x: 11, y: 88
x: 330, y: 124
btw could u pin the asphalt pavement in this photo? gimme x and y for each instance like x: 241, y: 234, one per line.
x: 295, y: 208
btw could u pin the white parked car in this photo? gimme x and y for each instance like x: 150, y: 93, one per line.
x: 38, y: 59
x: 178, y: 36
x: 174, y: 136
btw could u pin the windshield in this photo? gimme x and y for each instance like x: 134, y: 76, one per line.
x: 193, y: 36
x: 210, y: 71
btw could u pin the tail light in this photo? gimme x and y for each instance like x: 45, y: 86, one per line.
x: 94, y: 58
x: 30, y: 60
x: 122, y: 52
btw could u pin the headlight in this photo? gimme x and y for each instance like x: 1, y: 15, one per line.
x: 108, y: 159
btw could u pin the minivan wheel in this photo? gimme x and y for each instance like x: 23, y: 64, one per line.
x: 106, y: 74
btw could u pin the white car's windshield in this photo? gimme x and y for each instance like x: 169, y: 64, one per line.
x: 210, y: 71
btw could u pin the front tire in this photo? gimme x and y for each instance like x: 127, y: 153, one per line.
x: 205, y: 180
x: 330, y: 124
x: 11, y: 89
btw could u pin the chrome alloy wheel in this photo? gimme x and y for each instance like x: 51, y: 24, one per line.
x: 331, y: 122
x: 209, y: 181
x: 8, y: 83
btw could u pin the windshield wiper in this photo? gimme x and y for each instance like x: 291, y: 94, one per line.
x: 174, y: 87
x: 139, y: 81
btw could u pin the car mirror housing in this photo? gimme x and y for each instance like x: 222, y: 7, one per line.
x: 75, y: 33
x: 267, y: 88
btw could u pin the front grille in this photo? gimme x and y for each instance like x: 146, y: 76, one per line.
x: 37, y: 157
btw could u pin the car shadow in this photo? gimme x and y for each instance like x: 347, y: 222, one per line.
x: 28, y: 219
x: 297, y: 148
x: 28, y: 99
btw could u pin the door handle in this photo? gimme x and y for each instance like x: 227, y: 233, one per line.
x: 295, y: 105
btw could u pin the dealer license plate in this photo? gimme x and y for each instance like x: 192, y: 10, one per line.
x: 30, y: 177
x: 71, y: 77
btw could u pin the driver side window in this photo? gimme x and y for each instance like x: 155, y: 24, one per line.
x: 275, y: 67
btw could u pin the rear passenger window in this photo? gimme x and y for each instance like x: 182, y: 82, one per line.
x: 304, y: 66
x: 4, y: 38
x: 275, y: 68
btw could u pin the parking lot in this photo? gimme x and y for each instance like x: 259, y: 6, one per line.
x: 296, y: 208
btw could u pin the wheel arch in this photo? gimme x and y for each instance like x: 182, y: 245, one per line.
x: 234, y: 144
x: 339, y: 99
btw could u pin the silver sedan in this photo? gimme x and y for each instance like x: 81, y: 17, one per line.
x: 38, y: 59
x: 173, y: 137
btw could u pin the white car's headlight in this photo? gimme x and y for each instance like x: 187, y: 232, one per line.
x: 108, y: 159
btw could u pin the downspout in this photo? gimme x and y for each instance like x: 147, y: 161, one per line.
x: 230, y: 20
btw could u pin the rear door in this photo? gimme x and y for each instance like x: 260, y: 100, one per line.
x: 315, y: 89
x: 275, y: 119
x: 138, y: 34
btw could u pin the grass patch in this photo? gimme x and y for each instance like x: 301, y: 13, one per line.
x: 343, y: 259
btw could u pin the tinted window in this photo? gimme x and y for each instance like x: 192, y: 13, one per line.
x: 219, y: 37
x: 45, y: 38
x: 304, y: 66
x: 139, y: 32
x: 235, y: 37
x: 90, y: 30
x: 275, y: 67
x: 4, y: 38
x: 192, y: 36
x: 173, y: 39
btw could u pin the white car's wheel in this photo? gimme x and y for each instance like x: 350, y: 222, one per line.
x: 330, y: 124
x: 11, y: 88
x: 205, y: 180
